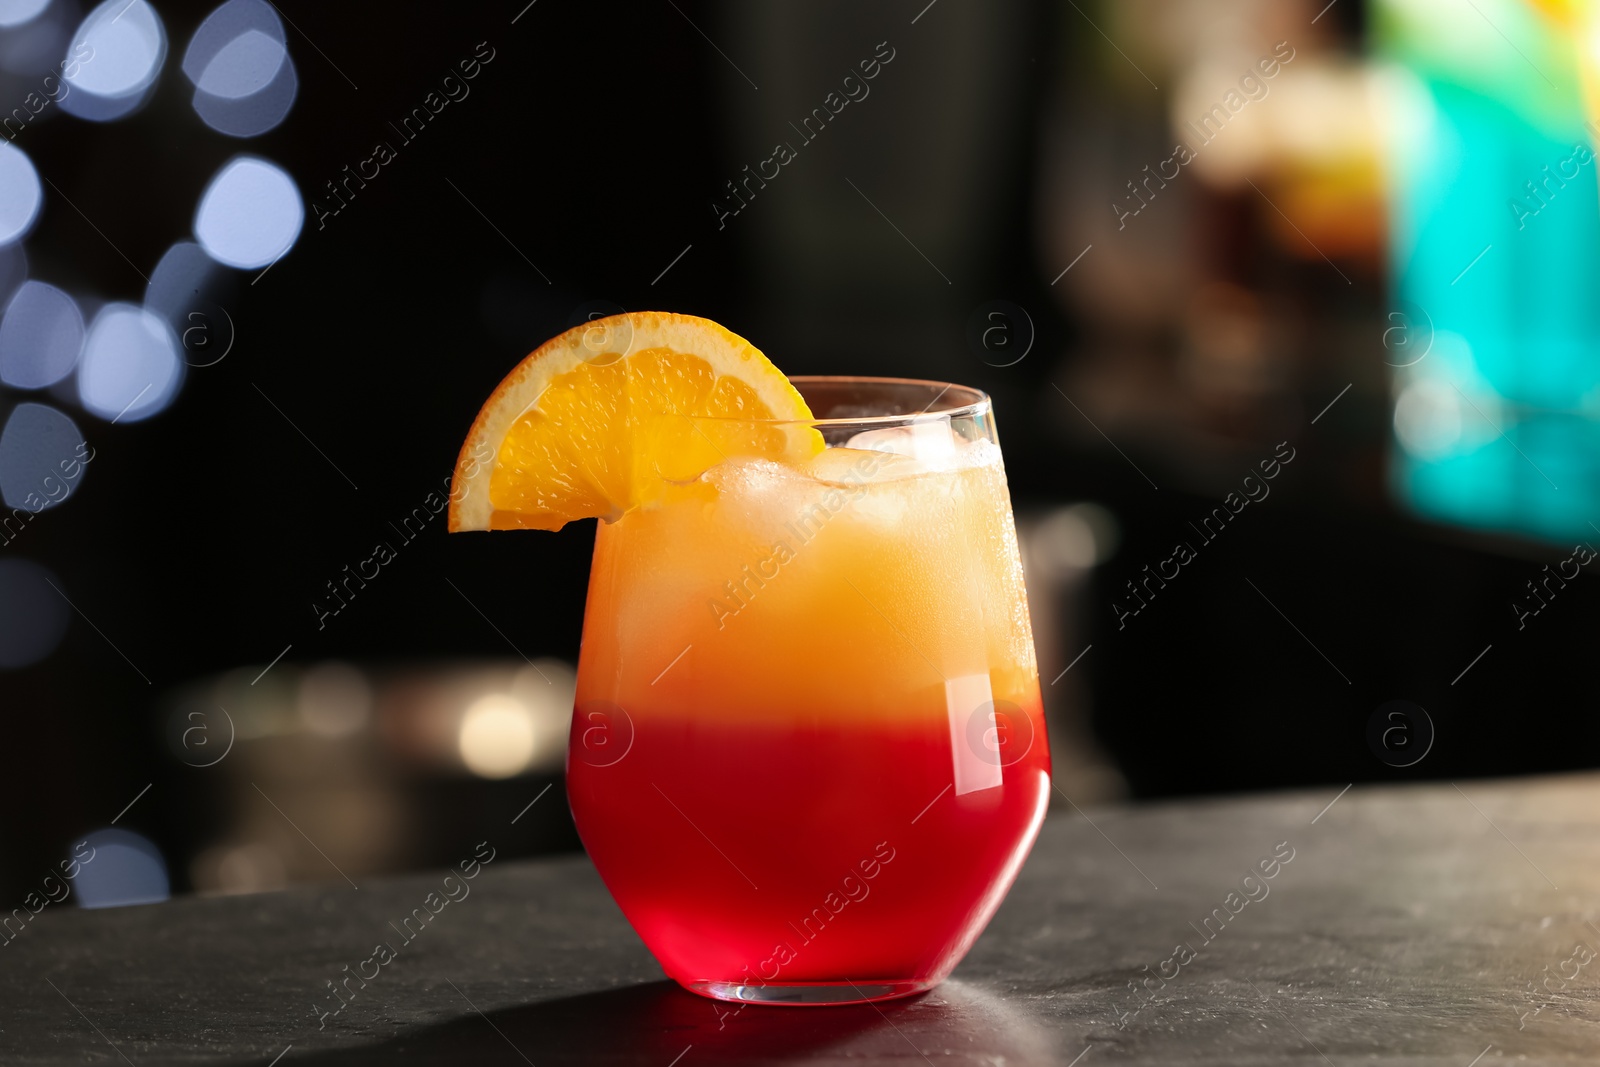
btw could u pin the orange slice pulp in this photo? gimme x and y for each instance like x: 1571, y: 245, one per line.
x: 610, y: 415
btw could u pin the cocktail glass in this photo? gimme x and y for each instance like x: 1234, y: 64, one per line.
x: 808, y: 755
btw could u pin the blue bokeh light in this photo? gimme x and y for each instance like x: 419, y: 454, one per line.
x: 41, y: 457
x: 126, y: 868
x: 115, y: 56
x: 41, y: 336
x: 21, y: 195
x: 250, y: 214
x: 130, y: 367
x: 245, y: 83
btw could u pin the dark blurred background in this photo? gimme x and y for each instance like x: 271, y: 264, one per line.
x: 1002, y: 204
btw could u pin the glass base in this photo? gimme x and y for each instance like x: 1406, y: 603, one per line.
x: 810, y: 994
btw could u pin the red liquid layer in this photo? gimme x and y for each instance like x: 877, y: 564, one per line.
x: 821, y: 849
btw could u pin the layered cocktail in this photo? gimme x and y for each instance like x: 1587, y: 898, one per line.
x: 807, y: 755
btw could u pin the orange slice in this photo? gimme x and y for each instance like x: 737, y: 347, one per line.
x: 610, y: 415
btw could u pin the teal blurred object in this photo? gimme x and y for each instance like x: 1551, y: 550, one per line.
x: 1495, y: 256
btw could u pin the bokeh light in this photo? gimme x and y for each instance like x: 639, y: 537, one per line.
x: 1427, y: 419
x: 16, y: 12
x: 184, y: 272
x: 239, y: 63
x: 41, y: 457
x: 187, y: 290
x: 33, y: 616
x: 130, y: 367
x: 497, y: 737
x: 250, y: 214
x: 247, y: 867
x: 335, y: 700
x: 1071, y: 539
x: 20, y: 193
x: 244, y: 66
x: 220, y: 32
x: 41, y: 335
x: 126, y: 868
x: 183, y: 279
x: 254, y: 114
x: 116, y: 55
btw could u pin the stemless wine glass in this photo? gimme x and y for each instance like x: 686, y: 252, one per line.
x: 808, y: 753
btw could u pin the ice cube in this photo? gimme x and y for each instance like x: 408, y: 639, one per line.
x: 754, y: 479
x: 929, y: 441
x: 922, y: 447
x: 842, y: 465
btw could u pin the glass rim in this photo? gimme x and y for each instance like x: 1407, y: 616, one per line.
x: 968, y: 401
